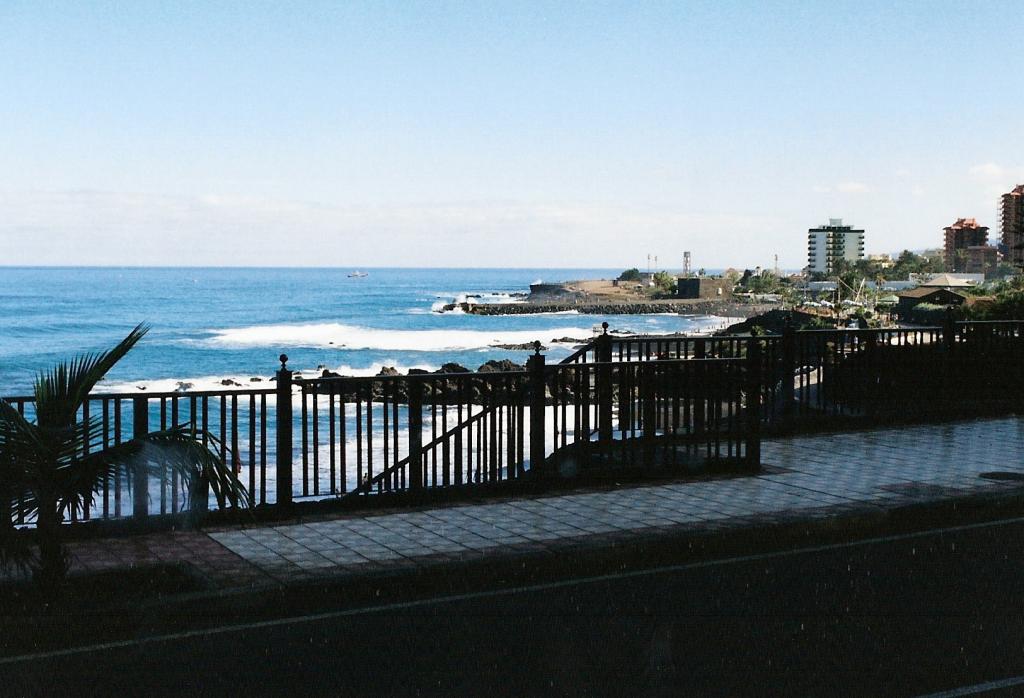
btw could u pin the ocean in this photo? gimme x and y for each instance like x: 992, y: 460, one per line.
x: 215, y: 324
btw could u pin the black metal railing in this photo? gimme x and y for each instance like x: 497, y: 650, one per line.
x: 667, y: 404
x: 235, y: 424
x: 391, y: 433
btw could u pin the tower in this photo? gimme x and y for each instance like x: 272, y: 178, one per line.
x: 962, y: 236
x: 827, y: 244
x: 1011, y: 215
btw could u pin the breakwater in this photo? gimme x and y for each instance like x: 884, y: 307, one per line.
x: 687, y: 307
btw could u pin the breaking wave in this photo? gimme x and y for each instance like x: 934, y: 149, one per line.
x: 239, y: 382
x: 339, y: 336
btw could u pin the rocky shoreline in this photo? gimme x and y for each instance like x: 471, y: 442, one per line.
x: 681, y: 307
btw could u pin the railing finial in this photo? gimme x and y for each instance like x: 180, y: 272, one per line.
x: 536, y: 346
x: 283, y: 358
x: 604, y: 326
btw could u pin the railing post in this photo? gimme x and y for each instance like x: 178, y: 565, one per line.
x: 603, y: 349
x: 415, y: 435
x: 648, y: 410
x: 700, y: 405
x: 827, y: 390
x: 140, y: 480
x: 754, y: 404
x: 874, y: 390
x: 538, y: 408
x: 949, y: 329
x: 788, y: 370
x: 284, y: 433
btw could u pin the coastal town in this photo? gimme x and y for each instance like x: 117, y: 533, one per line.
x: 841, y: 284
x: 511, y: 349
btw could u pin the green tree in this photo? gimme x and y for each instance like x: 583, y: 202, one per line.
x: 909, y: 263
x: 1004, y: 270
x: 53, y: 466
x: 630, y: 275
x: 665, y: 282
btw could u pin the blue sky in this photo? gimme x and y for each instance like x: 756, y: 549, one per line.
x: 497, y: 134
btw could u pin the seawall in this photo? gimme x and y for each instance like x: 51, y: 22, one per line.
x: 682, y: 307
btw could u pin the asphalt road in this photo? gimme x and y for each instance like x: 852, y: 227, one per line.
x: 911, y: 616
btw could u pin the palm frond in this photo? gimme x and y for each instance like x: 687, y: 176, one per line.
x: 60, y: 391
x: 15, y: 549
x: 34, y: 459
x: 20, y: 447
x: 18, y: 439
x: 18, y: 436
x: 77, y: 481
x: 178, y: 449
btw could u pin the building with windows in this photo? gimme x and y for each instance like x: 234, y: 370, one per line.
x: 884, y: 261
x: 983, y: 259
x: 1011, y: 216
x: 963, y: 234
x: 830, y: 243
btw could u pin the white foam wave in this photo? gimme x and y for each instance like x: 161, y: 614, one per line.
x: 439, y: 307
x: 240, y: 382
x: 338, y: 336
x: 373, y: 369
x: 478, y: 298
x: 496, y: 297
x: 180, y: 385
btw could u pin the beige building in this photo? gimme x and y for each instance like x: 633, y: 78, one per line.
x: 884, y: 261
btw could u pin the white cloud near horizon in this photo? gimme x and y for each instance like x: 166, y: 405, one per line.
x: 995, y: 171
x: 97, y: 228
x: 996, y: 179
x: 842, y: 188
x: 852, y: 188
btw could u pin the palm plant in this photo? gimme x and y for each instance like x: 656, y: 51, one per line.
x: 52, y: 467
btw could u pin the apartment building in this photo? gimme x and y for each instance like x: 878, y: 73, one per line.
x: 829, y: 243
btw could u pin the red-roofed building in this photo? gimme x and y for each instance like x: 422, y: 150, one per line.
x: 1011, y: 214
x: 960, y: 236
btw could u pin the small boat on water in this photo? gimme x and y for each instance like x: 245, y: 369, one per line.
x: 358, y: 274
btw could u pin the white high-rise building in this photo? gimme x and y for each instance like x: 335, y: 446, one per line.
x: 828, y: 243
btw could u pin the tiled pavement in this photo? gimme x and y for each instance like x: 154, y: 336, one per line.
x: 819, y: 475
x: 810, y: 476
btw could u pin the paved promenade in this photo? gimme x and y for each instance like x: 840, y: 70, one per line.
x: 806, y: 477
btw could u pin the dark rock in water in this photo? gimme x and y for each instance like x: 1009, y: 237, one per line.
x: 569, y: 340
x: 525, y: 346
x: 774, y: 322
x: 272, y: 379
x: 388, y: 371
x: 330, y: 374
x: 228, y: 381
x: 184, y: 387
x: 255, y: 379
x: 140, y: 387
x: 452, y: 368
x: 418, y: 372
x: 493, y: 366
